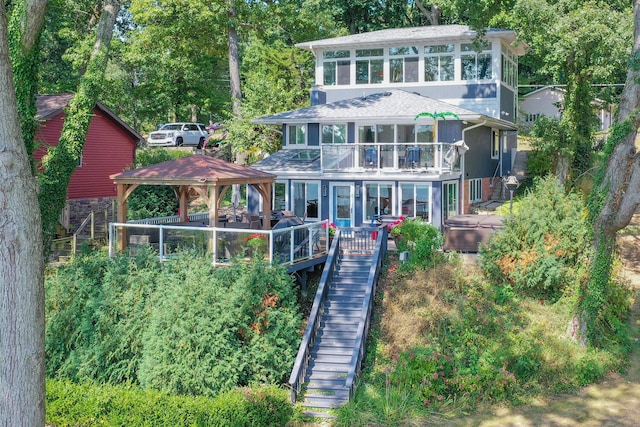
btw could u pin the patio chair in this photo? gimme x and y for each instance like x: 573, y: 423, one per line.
x: 413, y: 156
x: 371, y: 156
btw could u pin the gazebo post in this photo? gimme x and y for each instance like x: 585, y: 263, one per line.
x: 183, y: 192
x: 122, y: 216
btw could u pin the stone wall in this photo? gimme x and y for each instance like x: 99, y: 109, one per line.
x: 104, y: 211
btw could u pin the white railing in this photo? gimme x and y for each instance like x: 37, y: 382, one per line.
x: 283, y: 246
x: 431, y: 156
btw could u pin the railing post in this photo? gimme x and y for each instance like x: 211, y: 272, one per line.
x: 92, y: 225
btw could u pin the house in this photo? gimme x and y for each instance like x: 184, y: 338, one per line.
x: 549, y: 101
x: 415, y: 122
x: 109, y: 148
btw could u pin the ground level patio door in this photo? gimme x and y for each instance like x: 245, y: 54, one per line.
x: 449, y: 199
x: 342, y: 205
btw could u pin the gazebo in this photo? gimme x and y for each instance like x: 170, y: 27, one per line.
x: 209, y: 177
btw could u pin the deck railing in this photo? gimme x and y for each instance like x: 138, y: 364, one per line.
x: 285, y: 246
x: 351, y: 240
x: 427, y: 156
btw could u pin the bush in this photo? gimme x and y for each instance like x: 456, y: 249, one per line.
x: 419, y: 238
x: 180, y: 326
x: 90, y: 404
x: 541, y: 249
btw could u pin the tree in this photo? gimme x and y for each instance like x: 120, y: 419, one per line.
x: 61, y: 161
x: 616, y: 196
x: 22, y: 393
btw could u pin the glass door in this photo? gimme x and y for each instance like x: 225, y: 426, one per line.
x: 342, y: 204
x: 449, y: 199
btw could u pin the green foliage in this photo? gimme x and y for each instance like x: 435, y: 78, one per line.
x: 548, y: 142
x: 152, y: 201
x: 180, y: 326
x: 540, y: 251
x: 91, y: 404
x: 421, y: 239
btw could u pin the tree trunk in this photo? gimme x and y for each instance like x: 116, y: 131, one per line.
x: 22, y: 392
x: 63, y: 159
x: 617, y: 195
x: 432, y: 15
x: 234, y: 72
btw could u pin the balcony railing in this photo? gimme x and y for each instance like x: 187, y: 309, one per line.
x: 434, y: 156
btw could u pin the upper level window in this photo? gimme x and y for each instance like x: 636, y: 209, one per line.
x: 369, y: 66
x: 476, y: 65
x: 403, y: 64
x: 376, y: 133
x: 509, y: 67
x: 337, y: 67
x: 414, y: 133
x: 297, y: 135
x: 334, y: 134
x: 438, y: 63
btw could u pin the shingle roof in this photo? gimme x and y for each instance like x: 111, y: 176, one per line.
x: 412, y: 35
x: 197, y: 167
x: 395, y: 104
x: 285, y: 160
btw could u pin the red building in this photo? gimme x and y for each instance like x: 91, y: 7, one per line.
x: 109, y: 148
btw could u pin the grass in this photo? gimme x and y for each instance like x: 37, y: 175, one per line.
x: 494, y: 345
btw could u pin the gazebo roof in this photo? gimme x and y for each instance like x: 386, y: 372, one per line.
x: 193, y: 170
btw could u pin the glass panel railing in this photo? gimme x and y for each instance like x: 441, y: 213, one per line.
x: 432, y: 156
x: 338, y: 156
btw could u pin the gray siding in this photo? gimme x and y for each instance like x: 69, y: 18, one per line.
x: 313, y: 134
x: 507, y: 104
x: 478, y: 161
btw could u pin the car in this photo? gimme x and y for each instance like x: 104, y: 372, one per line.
x: 178, y: 134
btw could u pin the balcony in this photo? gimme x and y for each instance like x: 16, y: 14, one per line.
x: 435, y: 157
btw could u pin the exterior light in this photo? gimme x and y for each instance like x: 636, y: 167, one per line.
x: 511, y: 182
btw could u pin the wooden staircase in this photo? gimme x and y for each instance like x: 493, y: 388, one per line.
x: 332, y: 353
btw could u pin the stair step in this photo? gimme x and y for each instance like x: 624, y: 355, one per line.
x: 336, y: 351
x: 332, y: 358
x: 320, y: 400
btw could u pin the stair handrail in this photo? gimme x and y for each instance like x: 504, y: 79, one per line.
x: 299, y: 370
x: 367, y: 309
x: 495, y: 172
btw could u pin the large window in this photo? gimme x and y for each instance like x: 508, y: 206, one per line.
x: 415, y: 200
x: 376, y: 133
x: 337, y: 67
x: 475, y: 190
x: 306, y: 199
x: 438, y: 63
x: 369, y: 66
x: 297, y: 135
x: 403, y: 64
x: 378, y: 200
x: 414, y: 133
x: 509, y: 67
x: 334, y: 134
x: 476, y: 65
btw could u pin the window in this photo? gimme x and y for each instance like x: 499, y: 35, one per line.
x: 449, y: 199
x: 415, y: 133
x: 334, y: 134
x: 376, y: 133
x: 378, y: 200
x: 495, y: 144
x: 306, y: 199
x: 509, y: 67
x: 415, y: 201
x: 297, y: 135
x: 403, y: 64
x: 476, y: 65
x: 475, y: 190
x: 369, y: 66
x: 438, y: 63
x: 336, y: 67
x: 279, y: 198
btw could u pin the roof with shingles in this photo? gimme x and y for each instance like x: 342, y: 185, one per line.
x: 197, y: 168
x: 285, y: 160
x: 397, y: 105
x: 412, y: 35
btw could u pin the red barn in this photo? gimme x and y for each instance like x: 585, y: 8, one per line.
x: 109, y: 148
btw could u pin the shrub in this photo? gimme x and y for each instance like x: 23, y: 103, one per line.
x: 90, y: 404
x: 540, y: 251
x: 180, y: 326
x: 419, y: 238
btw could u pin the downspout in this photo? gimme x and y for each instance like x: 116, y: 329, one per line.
x: 462, y: 163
